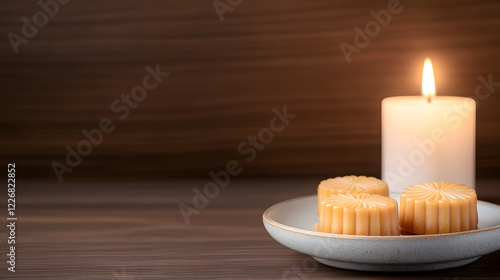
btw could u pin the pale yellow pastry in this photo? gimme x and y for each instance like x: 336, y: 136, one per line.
x: 352, y: 184
x: 429, y: 208
x: 359, y: 214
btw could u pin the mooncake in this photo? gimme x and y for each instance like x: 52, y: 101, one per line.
x: 358, y: 214
x: 438, y: 207
x: 352, y: 184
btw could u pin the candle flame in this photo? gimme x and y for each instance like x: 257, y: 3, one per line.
x: 428, y: 85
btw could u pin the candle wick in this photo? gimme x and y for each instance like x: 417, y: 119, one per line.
x: 428, y: 99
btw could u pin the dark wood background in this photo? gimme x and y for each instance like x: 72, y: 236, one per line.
x: 227, y: 76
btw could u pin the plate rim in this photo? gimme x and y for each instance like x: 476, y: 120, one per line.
x: 274, y: 223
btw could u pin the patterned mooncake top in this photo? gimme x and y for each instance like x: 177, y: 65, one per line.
x: 359, y: 200
x: 435, y: 191
x: 354, y: 184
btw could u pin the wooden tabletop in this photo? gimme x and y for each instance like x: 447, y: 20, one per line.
x: 135, y: 231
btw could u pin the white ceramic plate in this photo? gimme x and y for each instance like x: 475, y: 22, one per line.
x: 290, y: 223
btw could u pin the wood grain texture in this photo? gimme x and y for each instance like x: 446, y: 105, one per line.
x: 99, y: 230
x: 227, y: 76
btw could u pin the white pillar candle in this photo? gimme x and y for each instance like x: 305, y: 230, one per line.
x: 428, y: 138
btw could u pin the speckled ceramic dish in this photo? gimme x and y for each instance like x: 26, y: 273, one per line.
x: 290, y: 223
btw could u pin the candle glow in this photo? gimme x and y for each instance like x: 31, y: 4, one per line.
x: 425, y: 139
x: 428, y: 85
